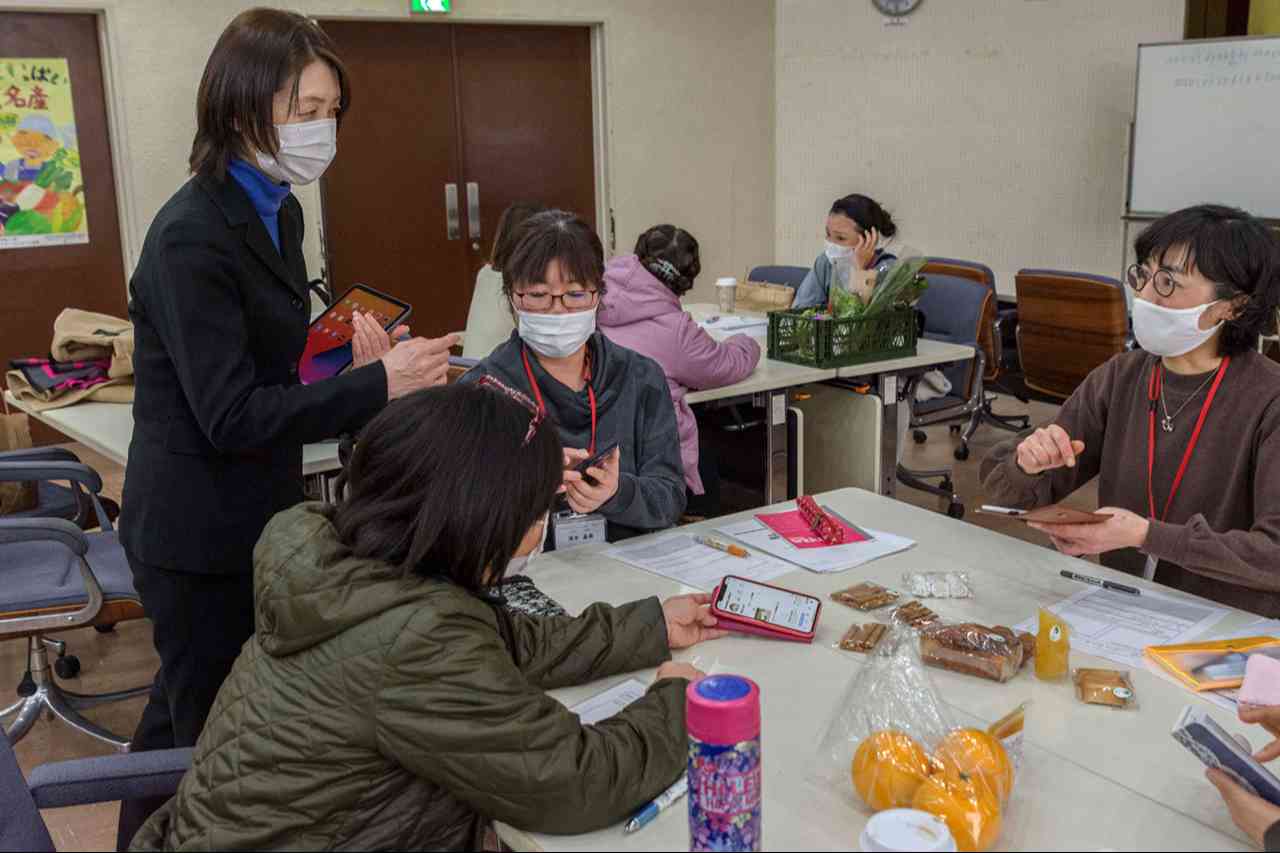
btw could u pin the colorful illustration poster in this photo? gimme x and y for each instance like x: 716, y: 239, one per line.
x: 41, y: 186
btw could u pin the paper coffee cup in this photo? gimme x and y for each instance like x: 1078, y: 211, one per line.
x: 906, y: 831
x: 727, y: 294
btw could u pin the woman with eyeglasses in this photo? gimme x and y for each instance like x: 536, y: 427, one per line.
x: 597, y: 392
x: 1184, y: 434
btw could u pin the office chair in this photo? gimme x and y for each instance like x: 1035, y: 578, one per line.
x: 1068, y: 324
x: 79, y: 782
x: 56, y: 500
x: 58, y: 577
x: 789, y: 275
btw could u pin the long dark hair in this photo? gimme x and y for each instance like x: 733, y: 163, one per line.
x: 867, y: 212
x: 443, y: 484
x: 1235, y: 250
x: 259, y: 53
x: 670, y: 254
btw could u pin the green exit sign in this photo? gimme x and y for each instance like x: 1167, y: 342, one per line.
x: 420, y: 7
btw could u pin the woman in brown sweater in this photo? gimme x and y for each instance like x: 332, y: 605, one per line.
x: 1184, y: 435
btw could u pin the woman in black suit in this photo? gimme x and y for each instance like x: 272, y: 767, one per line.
x: 219, y: 303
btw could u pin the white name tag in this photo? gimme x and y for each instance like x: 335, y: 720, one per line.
x: 573, y: 530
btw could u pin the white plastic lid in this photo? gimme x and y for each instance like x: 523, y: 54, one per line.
x: 903, y: 830
x: 727, y: 282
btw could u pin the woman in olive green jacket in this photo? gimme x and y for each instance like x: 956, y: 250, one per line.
x: 388, y: 699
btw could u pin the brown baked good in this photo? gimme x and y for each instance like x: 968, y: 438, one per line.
x: 865, y: 596
x: 997, y: 652
x: 863, y: 638
x: 915, y: 614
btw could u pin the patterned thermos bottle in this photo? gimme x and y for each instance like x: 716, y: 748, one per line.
x: 723, y: 714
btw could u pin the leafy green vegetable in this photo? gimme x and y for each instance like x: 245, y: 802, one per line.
x: 901, y: 284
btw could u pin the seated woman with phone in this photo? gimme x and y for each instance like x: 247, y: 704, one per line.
x: 598, y: 393
x: 395, y: 704
x: 1184, y: 434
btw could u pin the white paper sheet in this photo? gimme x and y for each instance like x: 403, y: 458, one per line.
x: 835, y: 558
x: 1118, y: 626
x: 678, y: 557
x: 1256, y: 628
x: 606, y: 704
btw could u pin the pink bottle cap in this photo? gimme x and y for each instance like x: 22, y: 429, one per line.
x: 723, y: 709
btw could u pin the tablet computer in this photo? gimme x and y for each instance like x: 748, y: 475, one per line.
x: 328, y: 351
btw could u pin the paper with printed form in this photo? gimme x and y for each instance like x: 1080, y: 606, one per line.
x: 604, y: 705
x: 833, y: 558
x: 678, y: 557
x: 1118, y: 626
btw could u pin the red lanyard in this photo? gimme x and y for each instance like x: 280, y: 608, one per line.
x: 1154, y: 385
x: 591, y: 394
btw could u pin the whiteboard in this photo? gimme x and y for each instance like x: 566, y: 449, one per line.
x: 1207, y: 126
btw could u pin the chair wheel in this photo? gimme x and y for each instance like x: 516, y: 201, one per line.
x: 27, y: 686
x: 956, y: 510
x: 920, y: 436
x: 961, y: 453
x: 946, y: 485
x: 67, y: 667
x: 105, y: 629
x: 955, y: 429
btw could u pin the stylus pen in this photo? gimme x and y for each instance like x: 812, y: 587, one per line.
x: 1001, y: 510
x: 660, y: 804
x: 1117, y: 587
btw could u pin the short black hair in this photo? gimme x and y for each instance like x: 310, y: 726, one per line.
x: 867, y: 212
x: 1236, y: 251
x: 442, y: 484
x: 259, y: 53
x: 670, y: 254
x: 504, y: 241
x: 555, y: 235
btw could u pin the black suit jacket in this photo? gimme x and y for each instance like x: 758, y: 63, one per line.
x: 220, y: 321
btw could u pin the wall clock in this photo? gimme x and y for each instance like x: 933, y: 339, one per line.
x: 897, y: 8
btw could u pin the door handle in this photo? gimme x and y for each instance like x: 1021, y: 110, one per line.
x: 473, y: 210
x: 452, y: 226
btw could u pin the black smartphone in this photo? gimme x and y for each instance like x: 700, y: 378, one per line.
x: 594, y: 462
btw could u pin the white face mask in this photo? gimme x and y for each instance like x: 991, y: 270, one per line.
x: 835, y: 252
x: 306, y: 150
x: 1170, y: 331
x: 556, y: 335
x: 520, y: 565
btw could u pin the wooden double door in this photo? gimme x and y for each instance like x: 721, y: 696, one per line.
x: 449, y: 124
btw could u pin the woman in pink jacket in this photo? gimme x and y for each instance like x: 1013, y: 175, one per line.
x: 641, y: 311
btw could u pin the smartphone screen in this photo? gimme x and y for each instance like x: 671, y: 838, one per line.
x: 328, y: 351
x: 767, y: 605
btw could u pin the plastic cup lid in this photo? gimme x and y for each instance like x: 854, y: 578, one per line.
x: 726, y: 282
x: 902, y: 830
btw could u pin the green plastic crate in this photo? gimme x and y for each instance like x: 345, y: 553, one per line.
x: 826, y: 342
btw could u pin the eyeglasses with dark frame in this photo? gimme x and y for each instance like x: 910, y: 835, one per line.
x: 537, y: 413
x: 574, y: 300
x: 1162, y: 279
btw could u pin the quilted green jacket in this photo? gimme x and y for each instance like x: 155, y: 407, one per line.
x: 369, y: 712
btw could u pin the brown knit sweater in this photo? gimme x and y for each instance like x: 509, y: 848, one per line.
x: 1221, y: 539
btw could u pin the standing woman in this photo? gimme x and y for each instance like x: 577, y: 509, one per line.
x: 219, y: 303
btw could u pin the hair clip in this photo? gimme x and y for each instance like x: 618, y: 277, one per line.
x: 488, y: 381
x: 664, y: 269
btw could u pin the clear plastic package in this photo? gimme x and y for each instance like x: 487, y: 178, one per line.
x: 914, y: 614
x: 996, y: 652
x: 1110, y: 687
x: 893, y: 739
x: 937, y: 584
x: 865, y: 596
x: 863, y: 638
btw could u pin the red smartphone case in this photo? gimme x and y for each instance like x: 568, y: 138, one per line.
x: 743, y: 625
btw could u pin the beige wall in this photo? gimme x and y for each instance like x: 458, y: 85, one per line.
x: 993, y: 130
x: 689, y: 107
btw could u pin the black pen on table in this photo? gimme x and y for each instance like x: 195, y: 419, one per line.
x: 1117, y: 587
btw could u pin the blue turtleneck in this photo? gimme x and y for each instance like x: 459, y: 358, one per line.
x: 266, y: 195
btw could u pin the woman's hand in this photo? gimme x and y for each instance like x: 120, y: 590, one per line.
x: 675, y: 669
x: 1048, y: 448
x: 864, y: 252
x: 1252, y: 814
x: 1267, y: 716
x: 416, y: 364
x: 1123, y: 530
x: 584, y: 497
x: 370, y: 341
x: 689, y: 620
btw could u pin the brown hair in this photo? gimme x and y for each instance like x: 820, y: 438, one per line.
x: 555, y: 235
x: 259, y: 53
x: 504, y: 242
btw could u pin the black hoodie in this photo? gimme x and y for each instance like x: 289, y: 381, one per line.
x: 633, y: 408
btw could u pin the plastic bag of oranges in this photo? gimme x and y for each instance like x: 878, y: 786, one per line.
x: 893, y: 740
